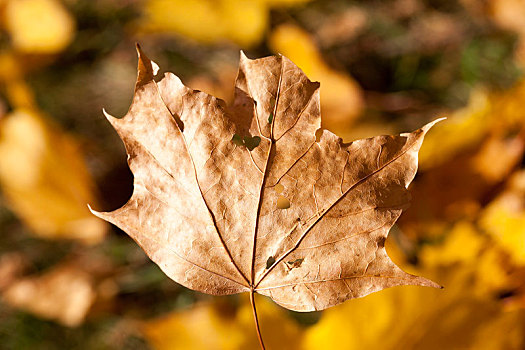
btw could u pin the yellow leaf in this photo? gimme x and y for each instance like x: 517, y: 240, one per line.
x: 463, y: 128
x: 276, y: 3
x: 221, y: 327
x: 463, y: 244
x: 498, y: 156
x: 278, y: 330
x: 486, y: 113
x: 11, y: 74
x: 45, y: 180
x: 353, y: 325
x: 491, y: 274
x: 500, y: 333
x: 465, y: 315
x: 39, y: 26
x: 419, y: 318
x: 341, y: 98
x: 201, y: 327
x: 243, y: 22
x: 506, y: 107
x: 504, y: 218
x: 467, y: 248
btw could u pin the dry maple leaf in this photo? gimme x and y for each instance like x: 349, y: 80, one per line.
x: 242, y: 198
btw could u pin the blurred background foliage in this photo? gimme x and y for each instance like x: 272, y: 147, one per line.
x: 69, y: 281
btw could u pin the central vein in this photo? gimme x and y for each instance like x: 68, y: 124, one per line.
x: 265, y: 172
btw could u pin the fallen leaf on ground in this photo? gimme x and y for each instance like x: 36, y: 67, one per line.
x: 38, y: 26
x: 466, y: 246
x: 465, y: 128
x: 466, y: 166
x: 504, y: 218
x: 178, y: 330
x: 63, y: 294
x: 45, y: 180
x: 463, y: 244
x: 420, y: 318
x: 498, y: 156
x: 471, y: 268
x: 17, y: 91
x: 243, y: 22
x: 12, y: 266
x: 487, y: 114
x: 244, y: 199
x: 225, y: 328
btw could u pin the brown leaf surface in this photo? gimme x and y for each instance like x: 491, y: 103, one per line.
x: 208, y: 180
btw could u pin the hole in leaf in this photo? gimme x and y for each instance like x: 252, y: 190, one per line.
x: 318, y: 134
x: 270, y: 262
x: 249, y: 142
x: 283, y: 202
x: 279, y: 188
x: 237, y: 140
x: 295, y: 263
x: 252, y: 142
x: 270, y: 118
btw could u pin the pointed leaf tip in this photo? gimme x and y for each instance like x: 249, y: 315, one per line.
x: 243, y: 56
x: 107, y: 115
x: 94, y: 212
x: 430, y: 283
x: 111, y: 119
x: 426, y: 128
x: 432, y: 123
x: 99, y: 214
x: 147, y: 69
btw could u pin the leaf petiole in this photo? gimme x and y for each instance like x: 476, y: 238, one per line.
x: 252, y: 301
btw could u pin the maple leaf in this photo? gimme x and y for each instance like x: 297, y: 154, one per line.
x: 243, y: 198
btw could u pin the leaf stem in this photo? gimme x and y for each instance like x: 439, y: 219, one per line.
x: 252, y: 301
